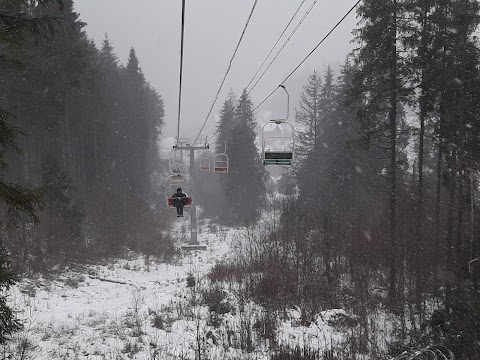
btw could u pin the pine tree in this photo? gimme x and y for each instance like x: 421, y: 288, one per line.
x: 244, y: 184
x: 61, y: 221
x: 104, y: 122
x: 459, y: 111
x: 16, y: 28
x: 135, y: 126
x: 317, y: 191
x: 379, y: 84
x: 348, y: 172
x: 224, y: 141
x: 308, y: 116
x: 423, y: 41
x: 139, y: 127
x: 317, y: 107
x: 226, y: 123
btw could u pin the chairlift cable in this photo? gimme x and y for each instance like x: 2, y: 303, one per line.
x: 181, y: 71
x: 311, y: 52
x: 228, y: 70
x: 283, y: 46
x: 278, y: 53
x: 276, y: 43
x: 301, y: 63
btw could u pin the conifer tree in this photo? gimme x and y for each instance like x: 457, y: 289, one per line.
x: 224, y: 140
x: 59, y: 229
x: 317, y: 106
x: 16, y: 27
x: 244, y: 184
x: 103, y: 121
x: 226, y: 123
x: 309, y: 115
x: 419, y: 40
x: 379, y: 83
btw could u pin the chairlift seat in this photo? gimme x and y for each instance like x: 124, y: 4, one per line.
x: 278, y: 149
x: 172, y: 183
x: 221, y: 163
x: 278, y: 158
x: 205, y: 164
x: 221, y: 169
x: 177, y: 179
x: 187, y: 202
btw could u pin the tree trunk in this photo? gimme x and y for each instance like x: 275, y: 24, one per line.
x: 438, y: 202
x: 421, y: 149
x: 393, y: 156
x: 459, y: 263
x: 450, y: 224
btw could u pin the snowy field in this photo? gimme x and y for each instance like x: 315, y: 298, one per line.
x: 134, y: 309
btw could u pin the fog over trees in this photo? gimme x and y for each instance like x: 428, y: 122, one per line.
x: 87, y: 130
x: 380, y: 209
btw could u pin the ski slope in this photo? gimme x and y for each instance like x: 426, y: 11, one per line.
x: 136, y: 309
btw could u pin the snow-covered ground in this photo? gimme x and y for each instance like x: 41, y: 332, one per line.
x: 134, y: 308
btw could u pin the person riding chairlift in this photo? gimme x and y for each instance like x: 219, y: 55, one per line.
x: 179, y: 201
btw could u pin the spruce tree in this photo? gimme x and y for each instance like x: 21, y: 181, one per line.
x: 16, y: 28
x: 379, y: 83
x: 420, y: 41
x: 226, y: 123
x: 244, y: 185
x: 317, y: 106
x: 308, y: 116
x: 60, y: 226
x: 80, y: 104
x: 457, y: 129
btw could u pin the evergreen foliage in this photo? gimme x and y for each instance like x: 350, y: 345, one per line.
x: 15, y: 27
x: 420, y: 56
x: 316, y: 113
x: 8, y: 321
x: 309, y: 116
x: 388, y: 178
x: 59, y: 233
x: 89, y: 129
x: 244, y: 185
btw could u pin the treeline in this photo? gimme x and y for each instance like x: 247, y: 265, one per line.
x: 87, y: 129
x: 387, y: 172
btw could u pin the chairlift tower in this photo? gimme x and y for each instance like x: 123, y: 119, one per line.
x: 181, y: 142
x: 193, y: 244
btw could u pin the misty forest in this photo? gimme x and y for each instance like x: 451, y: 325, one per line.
x: 366, y: 246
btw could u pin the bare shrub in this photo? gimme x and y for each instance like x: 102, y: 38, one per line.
x: 296, y: 354
x: 131, y: 347
x: 266, y: 325
x: 216, y: 300
x: 133, y: 319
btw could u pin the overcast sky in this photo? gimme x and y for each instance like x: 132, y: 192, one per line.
x: 212, y: 30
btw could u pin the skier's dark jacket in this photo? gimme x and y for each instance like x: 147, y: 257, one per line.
x: 179, y: 193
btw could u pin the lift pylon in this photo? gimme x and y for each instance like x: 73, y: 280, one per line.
x: 193, y: 244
